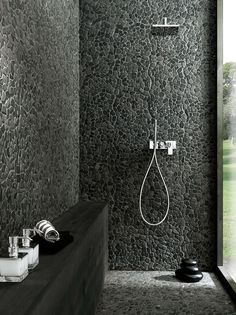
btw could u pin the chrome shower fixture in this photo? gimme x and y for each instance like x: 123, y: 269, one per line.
x: 163, y: 145
x: 165, y: 25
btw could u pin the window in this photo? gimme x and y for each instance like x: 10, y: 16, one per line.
x: 227, y: 139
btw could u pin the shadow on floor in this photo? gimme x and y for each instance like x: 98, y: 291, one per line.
x: 169, y: 278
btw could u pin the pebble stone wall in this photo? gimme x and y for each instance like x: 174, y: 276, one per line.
x: 130, y: 75
x: 39, y: 111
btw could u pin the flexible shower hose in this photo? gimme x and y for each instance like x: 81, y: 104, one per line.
x: 154, y: 158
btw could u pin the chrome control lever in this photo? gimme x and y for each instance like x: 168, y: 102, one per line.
x: 163, y: 145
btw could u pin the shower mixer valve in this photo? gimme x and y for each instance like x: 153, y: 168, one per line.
x: 163, y: 145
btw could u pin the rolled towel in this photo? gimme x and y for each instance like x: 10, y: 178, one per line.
x: 46, y: 230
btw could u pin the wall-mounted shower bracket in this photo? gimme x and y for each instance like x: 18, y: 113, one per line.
x: 163, y: 145
x: 165, y: 24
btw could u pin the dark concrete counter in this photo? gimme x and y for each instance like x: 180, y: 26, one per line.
x: 70, y: 281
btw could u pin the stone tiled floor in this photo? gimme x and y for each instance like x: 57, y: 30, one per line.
x: 147, y: 293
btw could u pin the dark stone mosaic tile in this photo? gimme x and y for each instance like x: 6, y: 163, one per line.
x: 39, y: 111
x: 129, y: 76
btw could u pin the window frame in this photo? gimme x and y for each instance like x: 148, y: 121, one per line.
x: 221, y: 271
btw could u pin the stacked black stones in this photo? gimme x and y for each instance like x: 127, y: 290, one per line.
x: 189, y: 271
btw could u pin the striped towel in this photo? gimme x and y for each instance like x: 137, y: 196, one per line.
x: 46, y: 230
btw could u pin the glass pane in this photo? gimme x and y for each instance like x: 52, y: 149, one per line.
x: 229, y: 135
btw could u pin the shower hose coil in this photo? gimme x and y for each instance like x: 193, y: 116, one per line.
x: 154, y: 158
